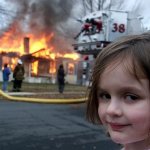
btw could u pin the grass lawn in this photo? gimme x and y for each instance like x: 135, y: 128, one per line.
x: 45, y: 90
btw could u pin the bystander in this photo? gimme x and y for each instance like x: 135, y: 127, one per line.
x: 6, y: 73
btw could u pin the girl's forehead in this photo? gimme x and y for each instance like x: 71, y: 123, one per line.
x: 128, y: 65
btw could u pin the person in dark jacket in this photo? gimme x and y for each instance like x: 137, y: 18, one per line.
x: 86, y: 28
x: 6, y: 73
x: 18, y: 76
x: 61, y: 78
x: 96, y: 25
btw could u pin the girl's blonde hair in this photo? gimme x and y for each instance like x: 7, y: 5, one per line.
x: 133, y: 47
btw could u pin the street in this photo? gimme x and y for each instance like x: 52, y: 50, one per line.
x: 32, y: 126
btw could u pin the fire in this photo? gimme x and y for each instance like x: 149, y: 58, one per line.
x: 11, y: 43
x: 48, y: 53
x: 39, y: 47
x: 13, y: 63
x: 53, y: 56
x: 40, y: 42
x: 73, y: 56
x: 34, y: 67
x: 52, y: 69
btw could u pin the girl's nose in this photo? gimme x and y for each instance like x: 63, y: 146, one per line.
x: 114, y: 107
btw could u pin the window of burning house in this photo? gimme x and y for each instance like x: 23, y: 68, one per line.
x: 34, y: 68
x: 52, y: 69
x: 43, y: 67
x: 71, y: 68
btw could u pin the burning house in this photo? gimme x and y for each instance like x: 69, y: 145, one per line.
x: 34, y: 35
x: 41, y: 65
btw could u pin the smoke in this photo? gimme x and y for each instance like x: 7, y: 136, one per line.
x: 40, y: 17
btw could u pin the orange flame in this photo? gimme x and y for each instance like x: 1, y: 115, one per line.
x: 52, y: 69
x: 10, y: 42
x: 39, y: 43
x: 34, y: 68
x: 73, y: 56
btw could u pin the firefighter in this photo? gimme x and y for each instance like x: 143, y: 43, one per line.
x: 18, y: 76
x: 96, y: 25
x: 86, y: 28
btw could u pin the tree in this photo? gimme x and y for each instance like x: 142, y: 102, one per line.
x: 94, y: 5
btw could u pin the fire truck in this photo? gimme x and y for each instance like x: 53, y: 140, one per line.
x: 102, y: 27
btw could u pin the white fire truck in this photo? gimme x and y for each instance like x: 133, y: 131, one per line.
x: 102, y: 27
x: 98, y: 30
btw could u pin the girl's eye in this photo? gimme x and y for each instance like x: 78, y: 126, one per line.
x: 104, y: 96
x: 131, y: 97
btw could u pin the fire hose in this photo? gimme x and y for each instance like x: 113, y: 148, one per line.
x: 43, y: 100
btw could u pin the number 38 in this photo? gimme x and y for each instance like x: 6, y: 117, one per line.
x: 118, y: 28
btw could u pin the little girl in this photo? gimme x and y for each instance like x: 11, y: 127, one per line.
x: 119, y: 97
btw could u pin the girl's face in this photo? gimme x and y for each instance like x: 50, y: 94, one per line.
x: 124, y: 105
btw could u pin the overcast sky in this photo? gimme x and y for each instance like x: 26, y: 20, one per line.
x: 142, y: 7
